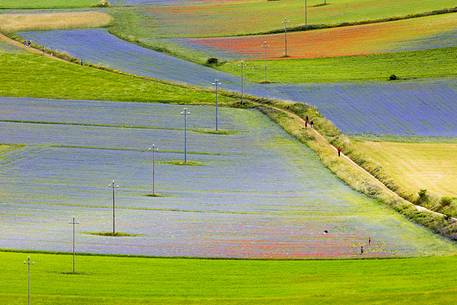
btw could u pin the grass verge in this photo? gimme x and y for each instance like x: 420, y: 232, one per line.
x: 357, y: 179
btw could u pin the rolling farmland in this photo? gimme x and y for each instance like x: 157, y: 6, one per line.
x: 272, y: 211
x: 409, y: 108
x: 246, y: 17
x: 409, y: 34
x: 330, y: 180
x: 403, y: 108
x: 117, y: 54
x: 57, y: 79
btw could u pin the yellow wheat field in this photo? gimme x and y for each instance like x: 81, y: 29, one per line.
x: 415, y: 166
x: 49, y: 21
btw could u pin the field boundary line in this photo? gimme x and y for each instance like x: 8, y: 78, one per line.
x: 314, y: 27
x: 32, y: 50
x: 348, y: 160
x: 252, y: 99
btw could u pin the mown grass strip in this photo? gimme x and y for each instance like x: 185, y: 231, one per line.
x: 196, y: 130
x: 164, y: 151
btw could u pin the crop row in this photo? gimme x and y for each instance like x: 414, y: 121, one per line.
x: 257, y: 193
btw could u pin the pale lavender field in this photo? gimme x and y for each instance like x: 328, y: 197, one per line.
x: 407, y: 108
x: 259, y: 194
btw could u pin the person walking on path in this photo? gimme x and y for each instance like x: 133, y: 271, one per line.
x: 369, y: 240
x: 339, y: 151
x: 361, y: 250
x: 312, y: 124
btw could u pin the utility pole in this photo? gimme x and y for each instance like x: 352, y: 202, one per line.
x: 242, y: 64
x: 265, y: 46
x: 284, y: 22
x: 306, y: 12
x: 74, y: 223
x: 114, y: 187
x: 154, y: 149
x: 217, y: 83
x: 28, y: 262
x: 185, y: 113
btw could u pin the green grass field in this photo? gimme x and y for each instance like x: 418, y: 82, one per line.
x: 214, y: 18
x: 26, y: 75
x: 406, y: 65
x: 127, y: 281
x: 47, y: 3
x: 416, y: 166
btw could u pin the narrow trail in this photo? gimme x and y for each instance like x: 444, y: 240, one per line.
x: 321, y: 139
x: 10, y: 41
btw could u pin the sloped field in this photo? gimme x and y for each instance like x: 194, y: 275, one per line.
x: 48, y: 21
x: 410, y: 34
x: 258, y: 193
x: 214, y: 18
x: 416, y: 166
x: 409, y: 108
x: 418, y: 107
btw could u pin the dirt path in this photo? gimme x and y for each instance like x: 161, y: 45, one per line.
x: 6, y: 39
x: 321, y: 139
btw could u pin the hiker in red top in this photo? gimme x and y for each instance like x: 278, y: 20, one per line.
x: 339, y: 151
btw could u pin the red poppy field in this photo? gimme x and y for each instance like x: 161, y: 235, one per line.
x: 342, y: 41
